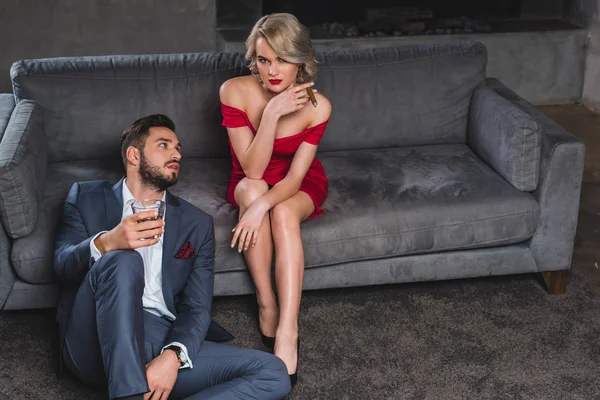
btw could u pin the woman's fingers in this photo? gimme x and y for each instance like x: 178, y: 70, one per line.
x: 302, y: 87
x: 244, y: 237
x: 248, y: 241
x: 242, y: 240
x: 236, y: 233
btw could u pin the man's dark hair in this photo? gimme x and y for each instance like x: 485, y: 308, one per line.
x: 139, y: 131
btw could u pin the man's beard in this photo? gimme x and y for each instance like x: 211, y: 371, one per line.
x: 152, y: 176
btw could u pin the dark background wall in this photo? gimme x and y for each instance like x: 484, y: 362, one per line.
x: 55, y: 28
x: 591, y: 80
x: 317, y: 12
x: 580, y: 11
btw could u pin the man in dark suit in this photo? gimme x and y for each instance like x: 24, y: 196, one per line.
x: 136, y: 290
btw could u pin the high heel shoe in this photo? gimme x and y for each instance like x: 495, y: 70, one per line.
x: 294, y: 376
x: 268, y: 341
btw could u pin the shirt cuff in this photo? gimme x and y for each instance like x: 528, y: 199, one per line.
x: 94, y: 252
x: 188, y: 362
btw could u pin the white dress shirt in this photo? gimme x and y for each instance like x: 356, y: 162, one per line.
x: 153, y: 300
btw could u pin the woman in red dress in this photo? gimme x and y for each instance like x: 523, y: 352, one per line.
x: 276, y: 182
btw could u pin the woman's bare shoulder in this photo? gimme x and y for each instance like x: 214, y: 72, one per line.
x: 233, y: 91
x: 237, y: 84
x: 322, y: 112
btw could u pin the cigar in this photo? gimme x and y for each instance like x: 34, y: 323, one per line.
x: 311, y: 96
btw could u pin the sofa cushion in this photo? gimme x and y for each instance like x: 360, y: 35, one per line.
x: 86, y: 102
x: 22, y: 169
x: 381, y: 203
x: 32, y: 255
x: 203, y: 181
x: 415, y: 94
x: 384, y: 203
x: 506, y: 137
x: 393, y: 202
x: 399, y: 96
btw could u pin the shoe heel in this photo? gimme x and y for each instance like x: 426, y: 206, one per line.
x: 294, y: 376
x: 268, y: 341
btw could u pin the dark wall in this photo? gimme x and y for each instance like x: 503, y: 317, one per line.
x: 317, y: 12
x: 56, y: 28
x: 581, y: 12
x: 591, y: 81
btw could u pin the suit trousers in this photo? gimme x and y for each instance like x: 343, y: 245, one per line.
x: 110, y: 339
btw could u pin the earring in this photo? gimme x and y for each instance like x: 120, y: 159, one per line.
x: 257, y: 75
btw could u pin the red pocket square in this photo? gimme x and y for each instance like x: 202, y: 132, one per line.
x: 186, y: 251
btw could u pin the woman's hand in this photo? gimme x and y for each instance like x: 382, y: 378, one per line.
x: 246, y: 230
x: 292, y: 99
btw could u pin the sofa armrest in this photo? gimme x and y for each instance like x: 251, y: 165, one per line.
x: 559, y: 188
x: 505, y: 137
x: 7, y: 274
x: 22, y: 169
x: 7, y: 105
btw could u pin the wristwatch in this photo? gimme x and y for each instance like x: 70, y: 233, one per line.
x: 180, y: 354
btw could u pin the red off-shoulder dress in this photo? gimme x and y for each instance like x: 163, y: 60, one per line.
x: 315, y: 183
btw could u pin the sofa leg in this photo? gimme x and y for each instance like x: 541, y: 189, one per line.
x: 555, y: 281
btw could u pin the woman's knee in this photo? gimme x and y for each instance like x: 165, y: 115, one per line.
x: 284, y: 216
x: 249, y: 190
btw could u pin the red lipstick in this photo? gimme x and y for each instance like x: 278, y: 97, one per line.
x: 275, y: 81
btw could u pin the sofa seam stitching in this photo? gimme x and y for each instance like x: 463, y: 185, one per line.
x: 535, y: 155
x: 544, y: 188
x: 419, y: 230
x: 9, y: 171
x: 460, y: 53
x: 437, y: 250
x: 412, y: 253
x: 347, y: 240
x: 522, y: 156
x: 412, y: 230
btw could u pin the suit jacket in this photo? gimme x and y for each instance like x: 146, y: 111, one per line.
x: 187, y: 284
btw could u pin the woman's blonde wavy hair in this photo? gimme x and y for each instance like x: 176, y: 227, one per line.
x: 289, y: 39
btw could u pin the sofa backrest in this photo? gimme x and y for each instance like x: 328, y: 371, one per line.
x: 382, y: 97
x: 87, y: 102
x: 399, y: 96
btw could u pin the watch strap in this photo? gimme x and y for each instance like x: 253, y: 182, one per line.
x: 178, y: 352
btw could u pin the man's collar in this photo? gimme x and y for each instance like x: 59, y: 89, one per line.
x: 128, y: 196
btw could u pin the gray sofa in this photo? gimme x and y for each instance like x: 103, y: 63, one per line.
x: 436, y: 171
